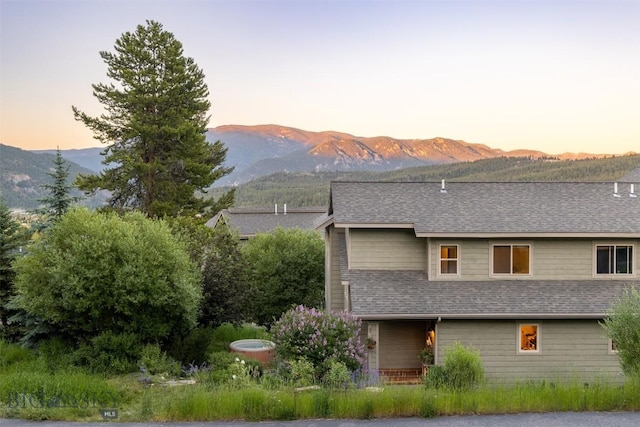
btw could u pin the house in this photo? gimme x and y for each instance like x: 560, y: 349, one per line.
x: 524, y: 272
x: 251, y: 221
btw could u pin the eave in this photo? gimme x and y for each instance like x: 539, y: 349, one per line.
x: 479, y: 316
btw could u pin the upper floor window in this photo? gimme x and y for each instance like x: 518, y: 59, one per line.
x: 511, y: 259
x: 614, y: 259
x: 449, y: 258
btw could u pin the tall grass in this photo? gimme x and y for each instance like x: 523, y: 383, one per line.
x: 30, y: 389
x: 256, y: 403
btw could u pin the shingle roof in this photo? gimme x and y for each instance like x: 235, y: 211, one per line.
x: 397, y: 294
x: 500, y: 208
x: 249, y: 222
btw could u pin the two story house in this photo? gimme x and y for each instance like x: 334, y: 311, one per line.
x: 523, y: 272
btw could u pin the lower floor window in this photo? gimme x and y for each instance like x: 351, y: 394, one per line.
x: 528, y: 338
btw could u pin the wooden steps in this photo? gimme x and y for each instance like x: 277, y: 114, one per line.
x: 401, y: 376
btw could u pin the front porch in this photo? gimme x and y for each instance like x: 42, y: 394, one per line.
x: 395, y: 348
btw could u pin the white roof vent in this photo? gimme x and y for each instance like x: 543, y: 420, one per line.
x: 443, y: 189
x: 615, y: 190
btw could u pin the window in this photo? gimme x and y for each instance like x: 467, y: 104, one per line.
x: 614, y: 259
x: 528, y: 338
x: 612, y: 347
x: 511, y: 259
x: 449, y: 259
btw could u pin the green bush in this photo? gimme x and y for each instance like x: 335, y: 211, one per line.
x: 111, y: 353
x: 301, y: 372
x: 155, y: 361
x: 286, y: 268
x: 95, y: 272
x: 220, y: 360
x: 338, y: 375
x: 436, y: 377
x: 462, y: 369
x: 623, y: 327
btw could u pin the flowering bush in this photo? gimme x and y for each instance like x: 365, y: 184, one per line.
x: 319, y: 337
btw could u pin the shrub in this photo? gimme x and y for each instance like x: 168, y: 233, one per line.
x: 155, y: 361
x: 220, y: 360
x: 319, y: 337
x: 436, y: 377
x: 623, y: 327
x: 110, y: 353
x: 95, y: 272
x: 301, y: 372
x: 462, y: 369
x: 338, y: 375
x: 286, y: 267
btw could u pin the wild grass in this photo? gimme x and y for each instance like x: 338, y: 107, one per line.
x: 31, y: 389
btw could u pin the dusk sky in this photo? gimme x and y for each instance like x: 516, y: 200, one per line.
x: 556, y: 76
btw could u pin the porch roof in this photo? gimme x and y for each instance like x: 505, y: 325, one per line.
x: 379, y: 294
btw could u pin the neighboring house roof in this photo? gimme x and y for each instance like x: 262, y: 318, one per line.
x: 378, y: 294
x: 479, y: 209
x: 250, y: 221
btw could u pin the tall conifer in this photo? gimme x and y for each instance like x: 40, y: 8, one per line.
x: 156, y: 113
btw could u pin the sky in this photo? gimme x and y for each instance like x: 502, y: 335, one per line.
x: 550, y: 75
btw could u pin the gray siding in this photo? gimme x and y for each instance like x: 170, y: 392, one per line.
x: 336, y: 296
x: 551, y: 259
x: 569, y: 350
x: 400, y: 344
x: 397, y: 249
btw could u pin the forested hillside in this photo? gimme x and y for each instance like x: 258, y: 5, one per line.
x: 24, y: 173
x: 312, y: 189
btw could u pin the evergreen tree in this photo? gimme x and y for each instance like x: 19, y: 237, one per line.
x: 59, y: 199
x: 12, y: 237
x: 155, y: 123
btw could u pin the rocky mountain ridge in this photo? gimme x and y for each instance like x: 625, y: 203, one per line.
x: 264, y: 149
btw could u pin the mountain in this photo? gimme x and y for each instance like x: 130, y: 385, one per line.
x: 23, y: 173
x: 266, y: 149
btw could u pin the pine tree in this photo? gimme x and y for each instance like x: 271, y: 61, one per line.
x: 12, y: 237
x: 156, y: 115
x: 59, y: 199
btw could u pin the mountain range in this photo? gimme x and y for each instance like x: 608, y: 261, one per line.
x: 258, y: 151
x: 265, y: 149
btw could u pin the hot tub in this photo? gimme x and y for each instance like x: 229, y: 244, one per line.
x: 260, y: 350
